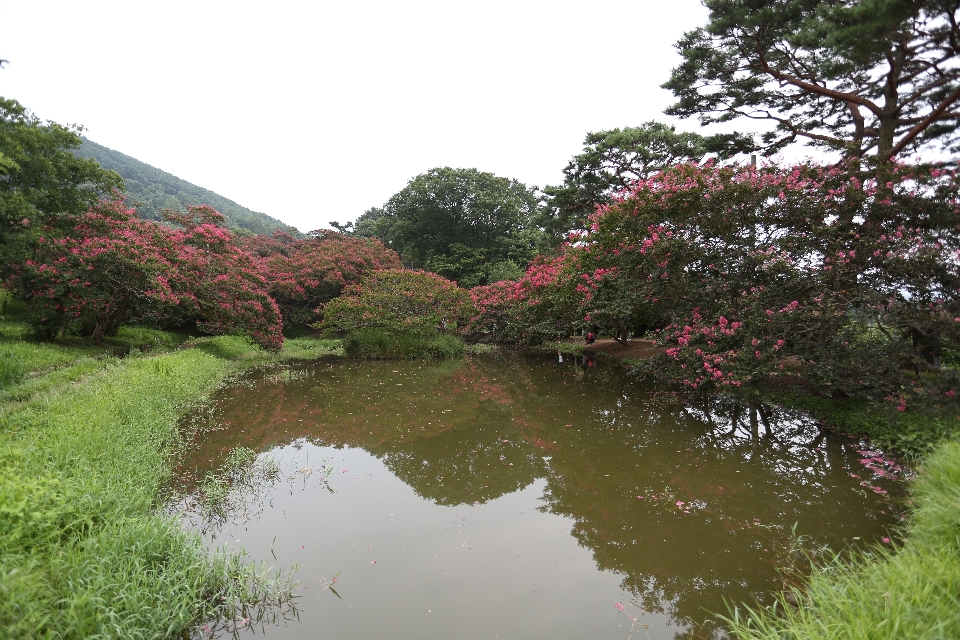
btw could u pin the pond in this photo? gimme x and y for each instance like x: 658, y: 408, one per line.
x: 510, y: 497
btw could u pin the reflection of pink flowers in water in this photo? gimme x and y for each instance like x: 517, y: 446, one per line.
x: 618, y: 605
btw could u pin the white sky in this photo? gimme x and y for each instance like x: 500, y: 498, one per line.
x: 317, y: 111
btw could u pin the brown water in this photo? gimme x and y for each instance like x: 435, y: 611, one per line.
x: 503, y: 497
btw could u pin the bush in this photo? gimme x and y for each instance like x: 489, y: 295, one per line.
x: 375, y: 342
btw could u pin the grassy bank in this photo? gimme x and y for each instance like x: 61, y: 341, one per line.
x: 380, y: 343
x: 86, y: 439
x: 911, y: 592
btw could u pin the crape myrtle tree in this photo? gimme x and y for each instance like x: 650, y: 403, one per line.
x: 534, y: 308
x: 97, y: 270
x: 225, y: 291
x: 745, y: 268
x: 303, y: 273
x: 398, y: 300
x: 108, y: 266
x: 869, y: 78
x: 614, y: 160
x: 467, y: 225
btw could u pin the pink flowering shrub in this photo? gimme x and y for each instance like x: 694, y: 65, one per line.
x: 302, y: 274
x: 743, y: 269
x: 535, y: 308
x: 225, y: 290
x: 97, y: 270
x: 91, y: 273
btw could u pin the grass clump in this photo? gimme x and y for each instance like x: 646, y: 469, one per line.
x: 909, y: 592
x: 380, y: 343
x: 83, y: 551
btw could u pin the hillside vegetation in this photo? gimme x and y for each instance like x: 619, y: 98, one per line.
x: 154, y: 190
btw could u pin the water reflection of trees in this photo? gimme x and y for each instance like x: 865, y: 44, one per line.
x: 745, y: 473
x: 478, y: 429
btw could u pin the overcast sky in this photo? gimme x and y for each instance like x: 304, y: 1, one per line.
x: 317, y: 111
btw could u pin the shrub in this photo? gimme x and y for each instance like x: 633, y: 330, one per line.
x: 380, y: 343
x: 398, y: 300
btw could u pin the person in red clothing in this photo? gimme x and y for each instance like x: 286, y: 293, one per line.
x: 591, y: 337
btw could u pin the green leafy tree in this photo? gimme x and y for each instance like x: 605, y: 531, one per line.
x: 41, y: 180
x: 867, y: 77
x: 614, y: 160
x: 459, y: 223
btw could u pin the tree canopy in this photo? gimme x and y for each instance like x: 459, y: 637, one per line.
x: 464, y: 224
x: 614, y: 160
x: 40, y: 178
x: 866, y: 77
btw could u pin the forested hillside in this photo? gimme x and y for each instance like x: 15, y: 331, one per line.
x: 154, y: 190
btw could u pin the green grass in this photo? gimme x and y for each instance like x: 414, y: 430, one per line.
x: 377, y: 343
x: 86, y: 444
x: 84, y: 553
x: 911, y: 592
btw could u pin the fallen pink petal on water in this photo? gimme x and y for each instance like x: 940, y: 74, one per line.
x: 885, y: 540
x: 302, y: 547
x: 618, y: 605
x: 679, y: 503
x: 345, y: 471
x: 373, y: 562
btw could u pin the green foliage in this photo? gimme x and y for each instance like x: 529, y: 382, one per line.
x: 904, y: 593
x: 614, y: 160
x: 307, y: 347
x: 230, y: 347
x: 380, y: 343
x: 912, y: 434
x: 82, y: 552
x: 459, y: 223
x: 845, y: 272
x: 866, y: 77
x: 398, y: 300
x: 154, y: 190
x: 12, y: 368
x: 41, y: 180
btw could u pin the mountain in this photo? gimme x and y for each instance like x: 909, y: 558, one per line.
x: 154, y: 190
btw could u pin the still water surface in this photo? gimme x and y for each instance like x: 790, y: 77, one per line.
x: 508, y: 497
